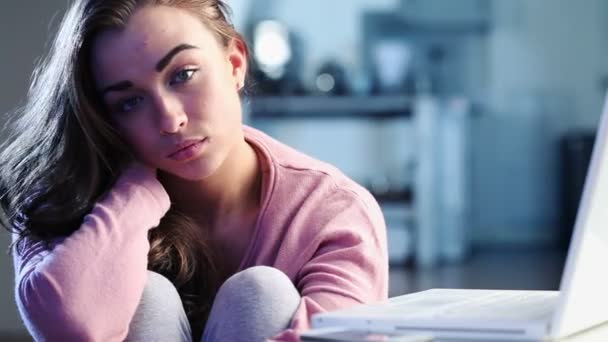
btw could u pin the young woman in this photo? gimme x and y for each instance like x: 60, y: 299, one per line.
x: 143, y: 209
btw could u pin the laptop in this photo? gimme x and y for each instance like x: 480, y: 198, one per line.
x: 580, y: 303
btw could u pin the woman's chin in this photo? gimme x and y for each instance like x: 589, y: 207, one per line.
x: 193, y: 172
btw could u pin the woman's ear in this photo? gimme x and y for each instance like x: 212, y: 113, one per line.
x: 238, y: 58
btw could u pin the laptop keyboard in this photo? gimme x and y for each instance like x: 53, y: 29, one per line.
x: 507, y: 305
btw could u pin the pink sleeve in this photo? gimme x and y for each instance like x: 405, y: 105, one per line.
x: 87, y: 286
x: 349, y: 267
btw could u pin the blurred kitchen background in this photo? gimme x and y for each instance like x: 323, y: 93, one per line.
x: 471, y: 121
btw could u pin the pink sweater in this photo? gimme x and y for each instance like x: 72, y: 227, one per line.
x: 325, y: 232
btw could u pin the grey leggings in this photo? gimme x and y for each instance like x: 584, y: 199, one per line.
x: 252, y: 305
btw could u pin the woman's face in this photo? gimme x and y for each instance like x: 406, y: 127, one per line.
x: 171, y: 89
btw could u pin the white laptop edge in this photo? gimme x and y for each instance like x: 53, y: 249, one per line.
x: 584, y: 284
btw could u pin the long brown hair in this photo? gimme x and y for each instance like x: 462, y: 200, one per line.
x: 63, y: 153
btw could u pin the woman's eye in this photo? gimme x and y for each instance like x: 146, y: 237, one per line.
x: 182, y: 76
x: 128, y: 105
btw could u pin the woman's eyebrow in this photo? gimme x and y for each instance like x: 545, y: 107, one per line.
x: 124, y: 85
x: 165, y: 60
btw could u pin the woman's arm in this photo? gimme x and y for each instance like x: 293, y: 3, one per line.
x: 349, y: 265
x: 87, y: 286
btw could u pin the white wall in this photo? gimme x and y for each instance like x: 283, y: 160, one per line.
x: 551, y: 47
x: 546, y: 59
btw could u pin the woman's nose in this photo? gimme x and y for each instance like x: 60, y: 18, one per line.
x: 171, y: 115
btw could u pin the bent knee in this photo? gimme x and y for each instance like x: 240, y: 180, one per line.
x: 258, y: 302
x: 160, y: 292
x: 260, y: 282
x: 157, y: 285
x: 160, y: 314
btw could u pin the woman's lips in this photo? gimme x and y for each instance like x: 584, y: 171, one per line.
x: 187, y: 150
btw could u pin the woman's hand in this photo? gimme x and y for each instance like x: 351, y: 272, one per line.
x: 144, y: 175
